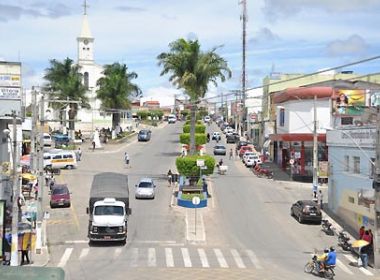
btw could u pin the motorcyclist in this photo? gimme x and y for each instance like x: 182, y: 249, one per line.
x: 220, y: 162
x: 331, y: 257
x: 321, y: 259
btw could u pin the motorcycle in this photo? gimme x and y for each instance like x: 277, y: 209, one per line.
x: 260, y: 172
x: 343, y: 241
x: 327, y: 227
x: 311, y: 267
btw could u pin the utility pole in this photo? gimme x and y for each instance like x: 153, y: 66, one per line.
x: 376, y: 183
x: 222, y: 105
x: 15, y: 196
x: 243, y: 73
x: 315, y: 149
x: 33, y: 158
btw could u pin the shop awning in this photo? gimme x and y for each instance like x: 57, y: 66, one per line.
x: 287, y: 137
x: 266, y: 144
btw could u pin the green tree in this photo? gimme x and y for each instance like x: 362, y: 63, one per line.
x: 116, y: 89
x: 64, y: 82
x: 192, y: 70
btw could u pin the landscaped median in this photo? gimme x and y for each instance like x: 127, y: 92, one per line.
x: 185, y: 199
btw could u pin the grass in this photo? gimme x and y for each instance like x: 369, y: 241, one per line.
x: 189, y: 196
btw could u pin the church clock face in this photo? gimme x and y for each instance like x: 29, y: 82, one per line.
x: 85, y: 41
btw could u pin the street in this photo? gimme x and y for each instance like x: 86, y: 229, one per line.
x: 246, y: 232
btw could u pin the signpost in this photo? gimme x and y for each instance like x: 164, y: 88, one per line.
x: 196, y: 200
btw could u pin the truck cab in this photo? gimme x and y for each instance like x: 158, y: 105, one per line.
x: 108, y: 221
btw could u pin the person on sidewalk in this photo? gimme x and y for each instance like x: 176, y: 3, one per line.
x: 170, y: 177
x: 366, y: 236
x: 205, y: 187
x: 364, y: 253
x: 361, y: 232
x: 320, y: 199
x: 25, y: 248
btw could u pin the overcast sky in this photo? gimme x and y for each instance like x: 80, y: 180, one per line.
x: 288, y: 36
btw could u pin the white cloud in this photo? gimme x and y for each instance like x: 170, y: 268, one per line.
x: 352, y: 45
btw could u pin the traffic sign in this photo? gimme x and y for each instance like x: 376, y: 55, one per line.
x: 196, y: 200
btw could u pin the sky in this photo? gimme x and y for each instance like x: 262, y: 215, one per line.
x: 286, y: 36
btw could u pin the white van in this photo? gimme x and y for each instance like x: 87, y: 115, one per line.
x: 60, y: 159
x: 47, y: 140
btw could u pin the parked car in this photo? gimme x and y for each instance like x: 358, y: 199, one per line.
x: 252, y: 160
x: 172, y: 119
x: 231, y: 138
x: 215, y: 136
x: 145, y: 188
x: 60, y: 196
x: 241, y: 143
x: 144, y: 135
x: 220, y: 150
x: 246, y: 155
x: 47, y: 140
x: 207, y: 119
x: 306, y: 210
x: 244, y: 149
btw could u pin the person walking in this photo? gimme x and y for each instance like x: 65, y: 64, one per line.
x: 170, y: 177
x: 231, y: 153
x: 93, y: 145
x: 25, y: 248
x: 320, y: 199
x: 361, y: 232
x: 126, y: 159
x: 364, y: 253
x: 79, y: 154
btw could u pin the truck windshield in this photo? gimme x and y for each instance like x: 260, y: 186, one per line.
x: 109, y: 210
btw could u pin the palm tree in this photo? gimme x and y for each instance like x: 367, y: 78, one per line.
x: 64, y: 82
x: 192, y: 70
x: 115, y: 90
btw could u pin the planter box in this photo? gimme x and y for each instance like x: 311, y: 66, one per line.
x: 189, y: 203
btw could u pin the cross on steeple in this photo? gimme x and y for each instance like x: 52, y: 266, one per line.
x: 85, y: 6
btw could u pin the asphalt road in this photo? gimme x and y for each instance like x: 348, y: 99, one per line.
x: 246, y: 231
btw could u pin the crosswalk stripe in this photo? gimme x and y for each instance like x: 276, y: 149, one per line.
x: 117, y: 253
x: 134, y: 257
x: 169, y: 257
x: 186, y: 257
x: 221, y: 260
x: 237, y: 258
x: 203, y: 257
x: 65, y: 257
x: 365, y: 271
x: 254, y: 259
x: 84, y: 252
x: 151, y: 257
x: 344, y: 267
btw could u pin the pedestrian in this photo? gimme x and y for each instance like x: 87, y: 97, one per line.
x: 25, y: 248
x: 366, y: 236
x: 320, y: 199
x: 170, y: 176
x: 36, y: 191
x: 208, y: 137
x: 126, y: 159
x: 364, y: 252
x: 371, y: 237
x: 231, y: 153
x: 93, y: 145
x: 361, y: 232
x: 79, y: 154
x: 204, y: 186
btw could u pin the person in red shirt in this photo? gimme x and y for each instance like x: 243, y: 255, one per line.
x: 366, y: 236
x: 361, y: 232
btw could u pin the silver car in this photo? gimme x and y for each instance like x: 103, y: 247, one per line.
x: 220, y: 150
x: 145, y: 188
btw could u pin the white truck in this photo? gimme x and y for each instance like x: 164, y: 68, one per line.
x: 108, y: 207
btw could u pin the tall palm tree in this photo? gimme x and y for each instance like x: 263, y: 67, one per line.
x: 64, y: 82
x: 193, y: 70
x: 116, y: 89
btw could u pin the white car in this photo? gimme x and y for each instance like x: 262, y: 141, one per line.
x: 47, y: 140
x: 145, y: 188
x: 207, y: 119
x: 215, y: 136
x: 228, y: 129
x: 246, y: 155
x: 251, y: 160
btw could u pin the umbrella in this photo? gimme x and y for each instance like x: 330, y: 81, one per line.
x: 28, y: 176
x: 359, y: 243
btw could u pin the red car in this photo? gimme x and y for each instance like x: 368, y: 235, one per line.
x: 60, y: 196
x: 244, y: 149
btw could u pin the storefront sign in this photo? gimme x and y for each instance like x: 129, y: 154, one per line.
x: 351, y: 137
x: 7, y: 80
x: 10, y: 93
x: 349, y: 102
x: 323, y: 168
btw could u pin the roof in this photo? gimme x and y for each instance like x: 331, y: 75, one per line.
x: 85, y: 33
x: 302, y: 93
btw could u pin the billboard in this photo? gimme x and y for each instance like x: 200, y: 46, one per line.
x: 349, y: 102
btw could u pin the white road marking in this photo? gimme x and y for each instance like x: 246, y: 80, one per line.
x: 365, y: 271
x: 134, y: 257
x: 237, y: 258
x: 344, y: 267
x: 65, y: 257
x: 221, y: 260
x: 84, y: 253
x: 169, y: 257
x: 76, y: 241
x: 186, y: 257
x: 117, y: 253
x: 152, y: 257
x: 203, y: 257
x: 254, y: 259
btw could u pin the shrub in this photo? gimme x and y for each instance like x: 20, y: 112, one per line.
x: 189, y: 196
x: 200, y: 138
x: 199, y: 128
x: 187, y: 166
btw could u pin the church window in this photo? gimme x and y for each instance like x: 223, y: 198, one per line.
x: 86, y: 80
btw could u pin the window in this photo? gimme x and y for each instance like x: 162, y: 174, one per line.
x: 347, y: 121
x: 86, y: 79
x: 346, y: 163
x: 282, y: 117
x: 356, y: 165
x: 372, y: 168
x: 351, y: 199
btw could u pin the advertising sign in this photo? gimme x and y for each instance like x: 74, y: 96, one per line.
x: 10, y: 93
x: 323, y: 169
x: 349, y: 102
x: 9, y: 80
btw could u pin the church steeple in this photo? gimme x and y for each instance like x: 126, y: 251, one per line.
x: 85, y: 39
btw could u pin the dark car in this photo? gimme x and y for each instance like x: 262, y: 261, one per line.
x: 60, y: 196
x: 231, y: 138
x: 241, y: 143
x: 306, y: 210
x: 220, y: 150
x: 144, y: 135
